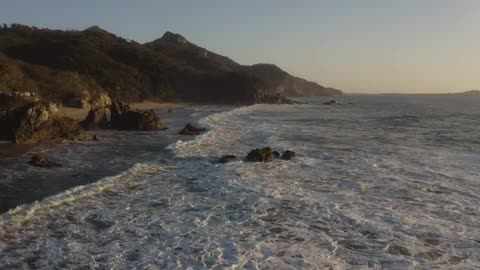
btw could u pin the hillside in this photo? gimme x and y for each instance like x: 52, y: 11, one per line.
x: 169, y: 68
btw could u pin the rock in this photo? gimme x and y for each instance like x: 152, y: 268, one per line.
x: 227, y: 158
x: 276, y: 154
x: 190, y: 129
x: 333, y: 101
x: 125, y: 118
x: 170, y: 110
x: 94, y: 138
x: 39, y: 122
x: 288, y: 155
x: 260, y: 155
x: 96, y: 119
x: 43, y: 162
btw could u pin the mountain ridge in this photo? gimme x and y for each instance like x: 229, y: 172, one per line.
x: 169, y: 68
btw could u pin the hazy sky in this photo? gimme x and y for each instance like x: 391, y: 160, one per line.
x: 356, y: 45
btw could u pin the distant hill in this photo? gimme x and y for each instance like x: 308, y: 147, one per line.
x: 471, y: 93
x: 169, y: 68
x: 291, y: 86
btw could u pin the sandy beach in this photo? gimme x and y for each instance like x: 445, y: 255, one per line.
x: 80, y: 114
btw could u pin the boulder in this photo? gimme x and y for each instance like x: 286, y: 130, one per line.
x: 260, y: 155
x: 227, y: 158
x: 190, y: 129
x: 38, y: 122
x: 125, y: 118
x: 43, y: 162
x: 276, y: 154
x: 288, y: 155
x: 96, y: 119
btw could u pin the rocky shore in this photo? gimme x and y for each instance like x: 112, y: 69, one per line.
x: 96, y: 148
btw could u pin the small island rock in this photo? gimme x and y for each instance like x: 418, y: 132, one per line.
x: 43, y: 162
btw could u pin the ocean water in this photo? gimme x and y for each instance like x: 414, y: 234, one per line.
x: 388, y: 182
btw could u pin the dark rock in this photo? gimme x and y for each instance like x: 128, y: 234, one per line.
x: 125, y: 118
x: 94, y: 138
x: 38, y: 122
x: 227, y: 158
x: 288, y: 155
x: 43, y: 162
x: 190, y: 129
x: 276, y: 154
x: 170, y: 110
x: 260, y: 155
x: 96, y: 119
x: 331, y: 102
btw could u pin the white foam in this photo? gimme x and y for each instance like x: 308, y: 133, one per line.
x: 354, y: 198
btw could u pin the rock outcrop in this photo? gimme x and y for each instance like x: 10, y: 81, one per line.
x: 96, y: 119
x: 125, y: 118
x: 190, y: 129
x: 260, y: 155
x: 38, y: 122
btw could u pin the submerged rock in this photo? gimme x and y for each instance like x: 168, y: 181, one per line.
x: 227, y: 158
x: 276, y: 154
x: 260, y: 155
x: 288, y: 155
x: 43, y: 162
x: 331, y: 102
x: 190, y: 129
x: 398, y: 250
x: 125, y: 118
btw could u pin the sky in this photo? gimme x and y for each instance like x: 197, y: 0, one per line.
x: 358, y: 46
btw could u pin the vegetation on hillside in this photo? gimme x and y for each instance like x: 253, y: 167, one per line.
x: 59, y: 65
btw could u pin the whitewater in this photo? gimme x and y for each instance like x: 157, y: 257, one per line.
x: 386, y: 182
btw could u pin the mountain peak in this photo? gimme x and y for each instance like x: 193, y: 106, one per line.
x: 174, y: 37
x: 95, y: 28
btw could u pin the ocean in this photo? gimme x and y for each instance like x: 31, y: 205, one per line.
x: 379, y: 182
